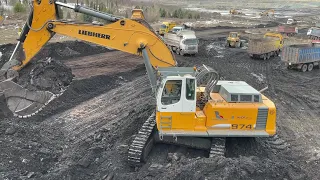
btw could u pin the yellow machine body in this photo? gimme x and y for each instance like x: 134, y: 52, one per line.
x: 219, y: 118
x: 278, y: 43
x: 233, y: 39
x: 235, y: 12
x: 137, y: 14
x: 1, y: 19
x: 166, y: 27
x: 267, y: 13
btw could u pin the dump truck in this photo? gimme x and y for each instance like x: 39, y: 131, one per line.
x: 288, y: 30
x: 264, y: 48
x: 166, y: 27
x: 303, y: 57
x: 314, y: 33
x: 233, y: 40
x: 182, y: 42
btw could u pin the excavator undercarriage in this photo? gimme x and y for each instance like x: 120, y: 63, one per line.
x: 148, y: 136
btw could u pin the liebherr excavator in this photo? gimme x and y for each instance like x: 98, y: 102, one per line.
x: 193, y: 109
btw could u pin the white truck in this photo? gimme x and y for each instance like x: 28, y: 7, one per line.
x: 182, y: 42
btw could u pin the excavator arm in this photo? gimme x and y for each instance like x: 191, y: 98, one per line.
x: 133, y: 36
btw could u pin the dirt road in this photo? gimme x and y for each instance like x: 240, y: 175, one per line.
x: 85, y: 133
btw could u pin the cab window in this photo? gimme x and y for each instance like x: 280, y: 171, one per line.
x: 171, y: 93
x: 190, y: 89
x: 163, y: 26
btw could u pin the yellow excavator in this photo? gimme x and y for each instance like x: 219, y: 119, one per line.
x: 1, y: 19
x: 235, y: 12
x: 267, y: 13
x: 193, y: 107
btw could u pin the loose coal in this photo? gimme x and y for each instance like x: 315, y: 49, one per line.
x: 46, y: 75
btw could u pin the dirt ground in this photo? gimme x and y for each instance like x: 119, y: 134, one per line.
x: 85, y: 133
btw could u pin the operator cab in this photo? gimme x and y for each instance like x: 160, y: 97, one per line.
x: 233, y: 34
x: 177, y: 90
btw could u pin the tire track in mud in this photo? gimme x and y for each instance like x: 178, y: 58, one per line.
x: 106, y: 121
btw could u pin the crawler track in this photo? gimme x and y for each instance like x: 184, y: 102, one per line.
x: 218, y: 147
x: 142, y: 143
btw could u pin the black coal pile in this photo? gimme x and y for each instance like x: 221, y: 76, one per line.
x: 46, y: 75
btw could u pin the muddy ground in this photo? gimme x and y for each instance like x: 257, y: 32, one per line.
x: 85, y: 133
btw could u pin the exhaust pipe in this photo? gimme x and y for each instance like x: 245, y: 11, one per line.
x: 262, y: 90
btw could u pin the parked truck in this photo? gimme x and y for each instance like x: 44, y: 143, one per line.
x: 287, y: 30
x: 314, y: 33
x: 166, y: 27
x: 303, y: 57
x: 182, y: 42
x: 265, y: 48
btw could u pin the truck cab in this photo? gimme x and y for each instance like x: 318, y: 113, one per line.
x: 183, y: 42
x: 177, y: 29
x: 291, y: 21
x: 166, y: 27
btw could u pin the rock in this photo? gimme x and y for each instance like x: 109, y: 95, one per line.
x: 30, y: 174
x: 85, y: 161
x: 88, y: 140
x: 44, y: 151
x: 155, y: 166
x: 122, y: 147
x: 168, y: 165
x: 35, y: 144
x: 97, y: 137
x: 108, y: 176
x: 173, y: 157
x: 105, y: 129
x: 10, y: 131
x: 24, y: 160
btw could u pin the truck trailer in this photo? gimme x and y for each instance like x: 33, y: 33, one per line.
x: 303, y: 57
x: 264, y: 48
x: 287, y: 30
x: 182, y: 42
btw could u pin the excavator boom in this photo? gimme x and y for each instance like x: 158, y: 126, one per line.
x: 134, y: 36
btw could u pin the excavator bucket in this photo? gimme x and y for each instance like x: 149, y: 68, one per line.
x: 23, y: 102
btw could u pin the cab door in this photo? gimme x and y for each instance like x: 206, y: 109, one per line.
x: 174, y: 111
